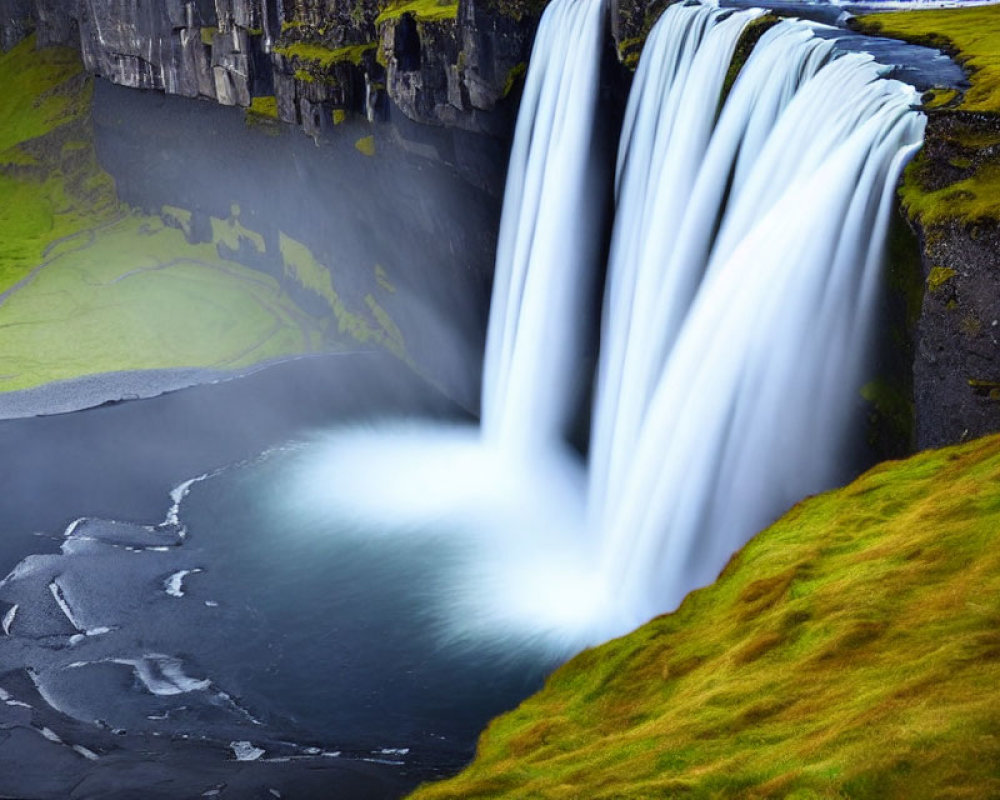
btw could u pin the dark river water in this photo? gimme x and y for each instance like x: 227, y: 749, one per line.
x: 238, y: 619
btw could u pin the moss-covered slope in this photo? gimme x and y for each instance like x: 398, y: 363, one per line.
x: 50, y: 186
x: 850, y: 650
x: 88, y: 286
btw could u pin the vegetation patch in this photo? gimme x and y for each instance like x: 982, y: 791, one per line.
x: 957, y: 177
x: 938, y: 277
x: 970, y: 35
x: 744, y: 47
x: 232, y: 234
x: 324, y: 57
x: 50, y: 184
x: 264, y: 107
x: 88, y: 286
x: 135, y: 295
x: 514, y: 75
x: 850, y: 650
x: 422, y: 10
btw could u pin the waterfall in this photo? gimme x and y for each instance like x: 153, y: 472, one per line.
x: 549, y: 241
x: 668, y: 122
x: 730, y: 361
x: 742, y: 278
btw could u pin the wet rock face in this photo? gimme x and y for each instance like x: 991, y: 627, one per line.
x: 16, y: 21
x: 956, y: 370
x: 450, y: 71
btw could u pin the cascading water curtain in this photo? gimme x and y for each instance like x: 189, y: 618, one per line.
x: 730, y: 362
x: 549, y: 237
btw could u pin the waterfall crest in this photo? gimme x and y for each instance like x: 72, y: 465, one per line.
x: 548, y: 246
x: 735, y: 406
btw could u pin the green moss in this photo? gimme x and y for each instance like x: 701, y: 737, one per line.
x: 940, y: 98
x: 264, y: 107
x: 302, y: 265
x: 365, y: 145
x: 110, y: 289
x: 629, y: 51
x: 744, y: 46
x: 938, y: 277
x: 422, y: 10
x: 44, y: 116
x: 850, y: 650
x: 975, y: 198
x: 515, y: 74
x: 339, y: 115
x: 177, y: 218
x: 392, y: 338
x: 135, y: 295
x: 324, y: 57
x: 990, y: 389
x: 208, y: 35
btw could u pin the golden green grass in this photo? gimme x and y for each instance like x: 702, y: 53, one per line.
x: 972, y: 35
x: 50, y: 185
x: 136, y: 295
x: 324, y: 57
x: 851, y: 650
x: 422, y: 10
x: 266, y: 106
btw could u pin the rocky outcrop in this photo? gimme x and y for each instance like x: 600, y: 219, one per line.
x: 442, y: 62
x: 956, y: 368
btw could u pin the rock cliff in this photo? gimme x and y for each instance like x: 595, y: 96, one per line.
x: 442, y: 62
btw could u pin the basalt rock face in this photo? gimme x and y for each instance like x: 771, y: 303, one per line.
x: 956, y: 369
x: 956, y: 364
x: 442, y: 62
x: 17, y: 20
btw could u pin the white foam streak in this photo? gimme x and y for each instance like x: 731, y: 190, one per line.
x: 668, y: 124
x: 749, y: 410
x: 8, y: 620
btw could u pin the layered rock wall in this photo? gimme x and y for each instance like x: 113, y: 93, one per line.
x: 443, y: 62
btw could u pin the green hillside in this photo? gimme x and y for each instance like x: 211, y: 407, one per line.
x: 88, y: 286
x: 852, y: 650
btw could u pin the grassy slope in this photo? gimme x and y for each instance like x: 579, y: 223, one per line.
x: 137, y: 296
x: 88, y: 287
x: 967, y: 188
x: 851, y: 650
x: 50, y: 185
